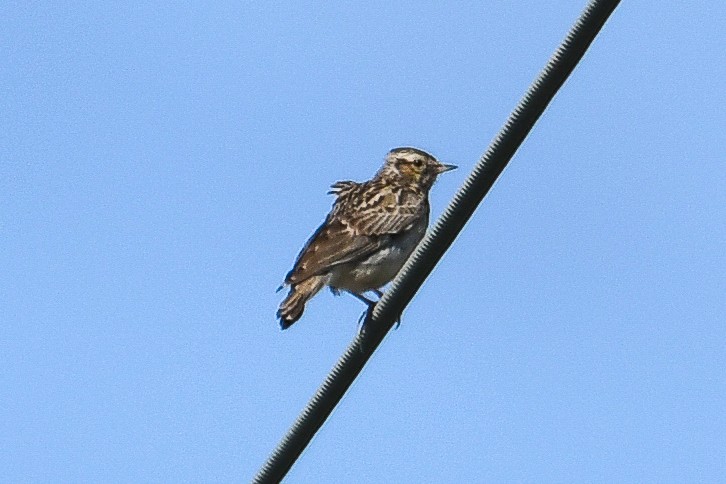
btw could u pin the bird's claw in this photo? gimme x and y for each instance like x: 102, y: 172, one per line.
x: 368, y: 313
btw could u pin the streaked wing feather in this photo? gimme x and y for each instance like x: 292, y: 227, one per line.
x: 363, y: 219
x: 380, y: 221
x: 332, y: 244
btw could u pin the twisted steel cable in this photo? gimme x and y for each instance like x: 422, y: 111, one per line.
x: 428, y: 253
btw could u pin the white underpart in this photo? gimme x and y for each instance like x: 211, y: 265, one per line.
x: 378, y: 268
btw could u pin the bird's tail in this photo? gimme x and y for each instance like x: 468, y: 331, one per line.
x: 294, y: 304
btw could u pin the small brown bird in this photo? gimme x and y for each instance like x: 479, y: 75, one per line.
x: 366, y: 238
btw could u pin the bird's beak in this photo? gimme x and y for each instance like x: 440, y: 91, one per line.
x: 443, y: 168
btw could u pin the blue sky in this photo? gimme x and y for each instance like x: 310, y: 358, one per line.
x: 161, y: 166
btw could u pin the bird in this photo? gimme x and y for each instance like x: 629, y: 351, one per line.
x: 371, y: 230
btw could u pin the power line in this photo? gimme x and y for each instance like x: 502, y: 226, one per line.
x: 438, y: 240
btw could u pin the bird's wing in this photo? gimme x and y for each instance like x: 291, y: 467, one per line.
x: 363, y: 219
x: 385, y: 210
x: 333, y: 243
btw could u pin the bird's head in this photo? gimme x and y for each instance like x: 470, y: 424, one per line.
x: 412, y: 166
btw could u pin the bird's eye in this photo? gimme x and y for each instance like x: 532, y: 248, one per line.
x: 418, y: 163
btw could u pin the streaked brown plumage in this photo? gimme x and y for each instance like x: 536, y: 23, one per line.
x: 371, y: 230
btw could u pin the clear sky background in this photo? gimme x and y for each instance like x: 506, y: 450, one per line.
x: 161, y: 166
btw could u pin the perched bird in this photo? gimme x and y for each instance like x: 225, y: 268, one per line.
x: 369, y: 233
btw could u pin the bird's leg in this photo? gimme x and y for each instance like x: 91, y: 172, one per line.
x: 365, y: 315
x: 378, y: 293
x: 367, y: 301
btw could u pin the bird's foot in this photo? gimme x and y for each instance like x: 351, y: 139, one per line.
x: 380, y: 295
x: 368, y: 313
x: 364, y: 317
